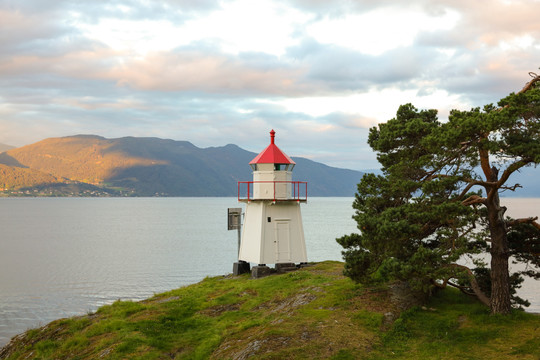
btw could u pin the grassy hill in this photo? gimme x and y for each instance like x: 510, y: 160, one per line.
x: 150, y: 166
x: 313, y: 313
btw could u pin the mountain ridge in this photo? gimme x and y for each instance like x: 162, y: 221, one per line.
x: 92, y: 165
x: 149, y: 166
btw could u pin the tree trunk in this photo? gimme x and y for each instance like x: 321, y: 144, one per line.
x: 500, y: 278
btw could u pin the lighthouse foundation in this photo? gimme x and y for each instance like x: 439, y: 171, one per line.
x: 241, y: 267
x: 260, y: 271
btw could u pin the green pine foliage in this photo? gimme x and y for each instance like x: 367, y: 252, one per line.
x: 437, y: 201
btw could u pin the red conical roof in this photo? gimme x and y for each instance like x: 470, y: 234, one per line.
x: 272, y: 154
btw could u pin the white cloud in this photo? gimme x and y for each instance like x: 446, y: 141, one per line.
x: 246, y: 25
x: 380, y: 30
x: 378, y: 105
x: 317, y: 69
x: 134, y: 36
x: 239, y: 26
x: 519, y: 43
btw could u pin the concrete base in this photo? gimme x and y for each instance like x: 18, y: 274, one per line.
x: 285, y: 267
x: 260, y: 271
x: 240, y: 268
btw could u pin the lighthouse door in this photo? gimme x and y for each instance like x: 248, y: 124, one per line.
x: 282, y: 242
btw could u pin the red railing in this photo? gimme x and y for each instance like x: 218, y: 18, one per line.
x: 295, y: 195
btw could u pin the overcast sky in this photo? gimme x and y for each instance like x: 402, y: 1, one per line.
x: 318, y: 72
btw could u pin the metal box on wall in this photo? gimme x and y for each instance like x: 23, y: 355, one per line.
x: 233, y: 218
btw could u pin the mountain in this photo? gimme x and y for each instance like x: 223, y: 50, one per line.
x: 526, y: 177
x: 11, y: 176
x: 152, y: 166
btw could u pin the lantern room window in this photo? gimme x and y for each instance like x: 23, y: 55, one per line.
x: 283, y: 167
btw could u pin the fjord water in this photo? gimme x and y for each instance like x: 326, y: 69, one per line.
x: 62, y: 257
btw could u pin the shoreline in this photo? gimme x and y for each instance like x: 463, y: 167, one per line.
x: 314, y: 312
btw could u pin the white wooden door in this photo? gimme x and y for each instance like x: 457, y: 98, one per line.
x: 282, y: 242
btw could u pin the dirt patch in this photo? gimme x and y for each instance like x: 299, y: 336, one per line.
x: 259, y: 347
x: 160, y: 300
x: 217, y: 310
x: 288, y: 305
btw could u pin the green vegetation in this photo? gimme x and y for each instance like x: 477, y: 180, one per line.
x: 312, y: 313
x: 437, y: 201
x: 453, y: 326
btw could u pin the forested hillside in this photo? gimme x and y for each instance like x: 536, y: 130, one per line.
x: 152, y: 166
x: 17, y: 177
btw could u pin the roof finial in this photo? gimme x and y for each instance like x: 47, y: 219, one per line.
x: 272, y: 136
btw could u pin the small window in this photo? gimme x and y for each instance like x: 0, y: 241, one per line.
x: 277, y: 167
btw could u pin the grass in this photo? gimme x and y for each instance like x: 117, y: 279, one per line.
x: 457, y: 327
x: 313, y: 313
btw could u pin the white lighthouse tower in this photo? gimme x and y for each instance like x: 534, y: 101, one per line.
x: 272, y: 232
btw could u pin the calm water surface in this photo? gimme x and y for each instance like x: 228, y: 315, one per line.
x: 61, y: 257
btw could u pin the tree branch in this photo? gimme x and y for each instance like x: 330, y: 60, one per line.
x: 464, y: 289
x: 472, y: 183
x: 474, y: 199
x: 440, y: 286
x: 486, y: 166
x: 511, y: 188
x: 474, y: 284
x: 511, y: 169
x: 530, y: 220
x: 536, y: 78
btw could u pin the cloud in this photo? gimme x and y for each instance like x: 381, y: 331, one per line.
x: 341, y: 69
x: 196, y: 72
x: 26, y: 33
x: 216, y: 72
x: 490, y: 50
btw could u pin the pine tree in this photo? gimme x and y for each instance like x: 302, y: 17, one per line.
x: 437, y: 201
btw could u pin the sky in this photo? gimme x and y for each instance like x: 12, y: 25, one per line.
x: 318, y: 72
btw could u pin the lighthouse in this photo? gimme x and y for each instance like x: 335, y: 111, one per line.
x: 272, y: 232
